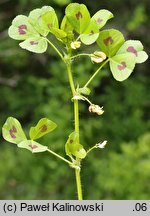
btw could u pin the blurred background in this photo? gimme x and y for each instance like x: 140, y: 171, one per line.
x: 34, y: 86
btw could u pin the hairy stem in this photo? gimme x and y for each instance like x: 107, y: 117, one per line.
x: 77, y: 171
x: 76, y: 115
x: 78, y: 181
x: 70, y: 78
x: 76, y: 119
x: 96, y: 72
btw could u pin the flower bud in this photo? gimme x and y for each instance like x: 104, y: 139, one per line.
x: 98, y: 56
x: 101, y: 145
x: 96, y: 109
x: 75, y: 44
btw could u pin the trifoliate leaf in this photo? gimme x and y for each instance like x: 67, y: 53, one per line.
x: 101, y: 17
x: 50, y: 19
x: 136, y: 48
x: 12, y: 131
x: 50, y: 22
x: 60, y: 34
x: 35, y: 44
x: 39, y: 19
x: 110, y: 41
x: 21, y: 29
x: 65, y: 25
x: 79, y: 152
x: 91, y: 34
x: 84, y: 91
x: 73, y: 147
x: 75, y: 150
x: 43, y: 127
x: 71, y: 142
x: 32, y: 146
x: 122, y: 66
x: 78, y: 16
x: 68, y: 29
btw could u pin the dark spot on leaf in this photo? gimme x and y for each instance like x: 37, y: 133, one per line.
x: 43, y: 128
x: 79, y: 15
x: 132, y: 50
x: 108, y: 41
x: 66, y: 26
x: 33, y: 146
x: 71, y: 141
x: 22, y: 29
x: 12, y: 132
x: 91, y: 33
x: 50, y: 25
x: 122, y: 66
x: 33, y: 43
x: 99, y: 20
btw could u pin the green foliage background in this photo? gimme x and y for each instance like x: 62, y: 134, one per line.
x: 35, y: 86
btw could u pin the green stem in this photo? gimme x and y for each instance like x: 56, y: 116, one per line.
x: 60, y: 157
x: 76, y: 119
x: 85, y: 98
x: 78, y: 181
x: 90, y: 150
x: 82, y: 54
x: 96, y: 72
x: 77, y: 129
x: 53, y: 46
x: 76, y: 115
x: 70, y: 78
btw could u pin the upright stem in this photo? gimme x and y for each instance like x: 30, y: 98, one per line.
x: 76, y: 115
x: 77, y: 129
x: 76, y: 119
x: 78, y: 181
x: 70, y: 78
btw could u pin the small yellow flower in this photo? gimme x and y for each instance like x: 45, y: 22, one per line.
x: 96, y: 109
x: 98, y: 56
x: 75, y: 44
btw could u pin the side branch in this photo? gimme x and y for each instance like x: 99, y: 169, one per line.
x: 96, y: 72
